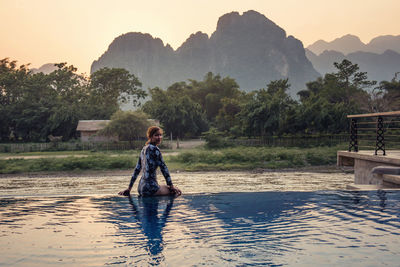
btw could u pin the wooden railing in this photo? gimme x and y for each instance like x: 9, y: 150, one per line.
x: 379, y: 128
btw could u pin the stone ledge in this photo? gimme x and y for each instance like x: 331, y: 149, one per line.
x: 395, y: 179
x: 366, y: 187
x: 392, y: 157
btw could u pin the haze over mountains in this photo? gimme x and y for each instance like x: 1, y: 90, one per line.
x: 350, y: 43
x: 249, y: 48
x: 380, y: 58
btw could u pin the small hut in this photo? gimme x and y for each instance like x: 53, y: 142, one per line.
x: 89, y: 131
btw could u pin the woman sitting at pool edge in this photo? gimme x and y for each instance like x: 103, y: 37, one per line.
x: 150, y: 158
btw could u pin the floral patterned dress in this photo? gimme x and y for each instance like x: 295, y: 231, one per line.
x: 150, y: 158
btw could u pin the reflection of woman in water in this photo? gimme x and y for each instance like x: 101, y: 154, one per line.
x: 150, y: 158
x: 147, y: 215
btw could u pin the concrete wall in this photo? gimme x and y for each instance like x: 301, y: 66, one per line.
x: 362, y: 172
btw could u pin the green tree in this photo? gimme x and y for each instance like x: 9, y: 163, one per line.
x: 189, y: 109
x: 348, y: 75
x: 227, y: 119
x: 36, y: 105
x: 387, y: 96
x: 68, y: 97
x: 12, y: 83
x: 109, y: 88
x: 33, y: 106
x: 269, y: 111
x: 127, y: 125
x: 178, y: 114
x: 327, y: 101
x: 347, y: 85
x: 210, y: 92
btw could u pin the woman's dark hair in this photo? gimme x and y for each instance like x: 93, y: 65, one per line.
x: 151, y: 131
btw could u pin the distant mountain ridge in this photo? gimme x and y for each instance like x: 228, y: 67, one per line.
x: 46, y: 68
x: 380, y: 58
x: 379, y: 67
x: 351, y: 43
x: 249, y: 48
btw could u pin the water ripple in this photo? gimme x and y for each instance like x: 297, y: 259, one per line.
x: 268, y: 228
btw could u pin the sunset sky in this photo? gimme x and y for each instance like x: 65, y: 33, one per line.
x: 79, y: 31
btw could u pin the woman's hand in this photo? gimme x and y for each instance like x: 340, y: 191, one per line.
x: 126, y: 192
x: 175, y: 190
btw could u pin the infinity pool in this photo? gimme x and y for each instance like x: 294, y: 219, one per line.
x: 321, y: 228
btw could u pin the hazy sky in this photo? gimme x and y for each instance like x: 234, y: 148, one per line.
x: 79, y: 31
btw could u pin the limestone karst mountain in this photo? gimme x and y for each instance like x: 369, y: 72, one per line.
x: 249, y: 48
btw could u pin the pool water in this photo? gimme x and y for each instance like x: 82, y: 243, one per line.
x: 321, y: 228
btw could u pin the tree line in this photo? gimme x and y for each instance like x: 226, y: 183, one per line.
x: 36, y: 105
x: 217, y: 104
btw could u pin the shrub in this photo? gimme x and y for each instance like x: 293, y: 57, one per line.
x: 215, y: 139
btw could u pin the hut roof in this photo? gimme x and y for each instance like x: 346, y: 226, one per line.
x: 91, y: 125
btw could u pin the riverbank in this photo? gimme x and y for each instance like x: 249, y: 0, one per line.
x: 110, y: 183
x: 128, y: 172
x: 198, y: 159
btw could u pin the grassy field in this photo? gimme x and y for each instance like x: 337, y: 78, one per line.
x: 249, y: 158
x: 198, y: 159
x: 68, y: 153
